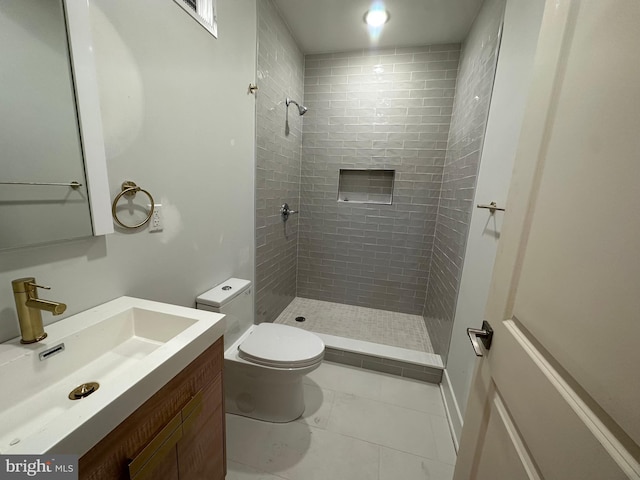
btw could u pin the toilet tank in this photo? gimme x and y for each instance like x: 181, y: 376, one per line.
x: 234, y: 298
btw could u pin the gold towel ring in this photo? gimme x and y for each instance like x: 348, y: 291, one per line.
x: 129, y: 190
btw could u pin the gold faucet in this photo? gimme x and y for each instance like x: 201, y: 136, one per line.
x: 29, y: 306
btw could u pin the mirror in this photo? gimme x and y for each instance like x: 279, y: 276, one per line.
x: 53, y: 183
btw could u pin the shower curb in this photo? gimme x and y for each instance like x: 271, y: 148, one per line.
x: 425, y: 367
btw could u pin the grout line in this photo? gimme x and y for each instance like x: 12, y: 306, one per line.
x: 259, y: 470
x: 418, y: 456
x: 377, y: 399
x: 370, y: 442
x: 389, y: 404
x: 333, y: 402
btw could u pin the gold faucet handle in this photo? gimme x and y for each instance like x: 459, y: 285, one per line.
x: 35, y: 285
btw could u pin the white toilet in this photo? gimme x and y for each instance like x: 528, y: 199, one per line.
x: 263, y: 364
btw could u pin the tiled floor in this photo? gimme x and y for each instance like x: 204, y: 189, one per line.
x: 359, y: 425
x: 359, y: 323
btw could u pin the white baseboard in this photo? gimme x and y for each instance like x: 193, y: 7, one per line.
x: 453, y: 411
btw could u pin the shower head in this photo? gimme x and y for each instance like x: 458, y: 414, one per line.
x: 301, y: 108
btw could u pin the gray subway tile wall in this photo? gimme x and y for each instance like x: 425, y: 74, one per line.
x: 388, y: 109
x: 470, y: 113
x: 279, y: 75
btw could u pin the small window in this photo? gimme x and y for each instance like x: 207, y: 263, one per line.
x: 366, y: 186
x: 204, y: 11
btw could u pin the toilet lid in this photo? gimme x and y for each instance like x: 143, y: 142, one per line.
x: 281, y: 346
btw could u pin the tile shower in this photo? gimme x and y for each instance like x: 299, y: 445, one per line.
x: 399, y: 132
x: 388, y: 111
x: 279, y: 75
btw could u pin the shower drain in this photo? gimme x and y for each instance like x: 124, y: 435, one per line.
x: 300, y: 319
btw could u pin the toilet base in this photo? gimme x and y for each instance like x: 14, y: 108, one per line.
x: 263, y: 393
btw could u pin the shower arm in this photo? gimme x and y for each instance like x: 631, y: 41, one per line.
x: 301, y: 108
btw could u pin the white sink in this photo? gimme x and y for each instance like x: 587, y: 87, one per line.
x: 131, y: 347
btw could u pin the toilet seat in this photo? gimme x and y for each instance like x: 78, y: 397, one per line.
x: 280, y: 346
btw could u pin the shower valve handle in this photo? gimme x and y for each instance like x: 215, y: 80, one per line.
x: 285, y: 211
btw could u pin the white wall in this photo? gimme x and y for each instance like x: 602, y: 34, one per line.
x: 179, y: 122
x: 513, y: 76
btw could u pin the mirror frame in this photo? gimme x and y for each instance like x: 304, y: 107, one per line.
x: 85, y: 80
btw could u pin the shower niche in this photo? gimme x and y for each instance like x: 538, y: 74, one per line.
x: 366, y: 186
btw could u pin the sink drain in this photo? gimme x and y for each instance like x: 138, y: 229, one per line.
x: 300, y: 319
x: 84, y: 390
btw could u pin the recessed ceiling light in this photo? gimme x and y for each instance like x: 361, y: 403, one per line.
x: 376, y: 17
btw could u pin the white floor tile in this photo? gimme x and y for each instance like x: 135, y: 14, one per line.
x: 391, y: 389
x: 238, y: 471
x: 329, y: 456
x: 296, y: 451
x: 383, y: 424
x: 395, y: 465
x: 317, y: 406
x: 444, y: 442
x: 246, y: 439
x: 357, y: 425
x: 345, y: 379
x: 411, y: 394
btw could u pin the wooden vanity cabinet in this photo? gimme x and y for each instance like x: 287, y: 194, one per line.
x: 177, y: 434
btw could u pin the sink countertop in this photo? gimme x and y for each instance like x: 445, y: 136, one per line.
x: 138, y: 362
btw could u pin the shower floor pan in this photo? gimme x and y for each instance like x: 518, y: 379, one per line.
x: 389, y: 342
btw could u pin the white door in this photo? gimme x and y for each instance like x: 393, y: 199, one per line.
x: 558, y: 394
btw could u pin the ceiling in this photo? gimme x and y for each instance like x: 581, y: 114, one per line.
x: 322, y: 26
